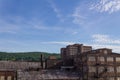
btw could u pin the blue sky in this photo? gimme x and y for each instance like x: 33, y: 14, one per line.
x: 48, y: 25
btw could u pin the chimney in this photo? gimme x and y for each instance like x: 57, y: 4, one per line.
x: 41, y: 59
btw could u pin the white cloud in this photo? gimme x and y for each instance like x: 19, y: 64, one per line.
x: 99, y: 41
x: 109, y: 6
x: 58, y: 42
x: 82, y: 16
x: 75, y: 32
x: 38, y: 25
x: 41, y: 26
x: 105, y: 39
x: 57, y: 11
x: 6, y: 27
x: 20, y: 24
x: 115, y: 48
x: 78, y: 17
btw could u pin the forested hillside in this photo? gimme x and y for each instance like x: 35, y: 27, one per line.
x: 25, y: 56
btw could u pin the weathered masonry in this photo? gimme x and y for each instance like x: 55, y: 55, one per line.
x: 100, y: 64
x: 9, y: 70
x: 8, y: 75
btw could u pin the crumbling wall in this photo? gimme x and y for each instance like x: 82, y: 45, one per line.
x: 19, y: 65
x: 47, y: 75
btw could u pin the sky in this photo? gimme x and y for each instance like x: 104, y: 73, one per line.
x: 48, y: 25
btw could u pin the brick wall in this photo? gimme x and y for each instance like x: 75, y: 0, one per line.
x: 19, y: 65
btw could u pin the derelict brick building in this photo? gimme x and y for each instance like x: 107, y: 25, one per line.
x: 68, y: 54
x: 100, y: 64
x: 8, y: 75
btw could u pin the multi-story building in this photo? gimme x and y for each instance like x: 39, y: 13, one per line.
x: 71, y: 50
x: 75, y: 49
x: 68, y: 53
x: 100, y: 64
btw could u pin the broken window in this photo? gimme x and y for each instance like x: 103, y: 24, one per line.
x: 117, y: 58
x: 109, y: 58
x: 118, y: 69
x: 101, y: 69
x: 2, y: 77
x: 110, y: 69
x: 85, y: 69
x: 111, y: 78
x: 118, y: 78
x: 101, y: 58
x: 105, y: 51
x: 91, y: 58
x: 92, y: 69
x: 9, y: 78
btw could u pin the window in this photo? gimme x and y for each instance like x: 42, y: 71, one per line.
x: 109, y: 58
x: 85, y: 69
x: 117, y: 58
x: 118, y: 69
x: 101, y: 69
x: 110, y: 69
x: 85, y: 77
x: 83, y: 58
x: 105, y: 51
x: 2, y: 77
x: 101, y: 58
x: 92, y: 69
x: 110, y: 78
x: 118, y: 78
x: 91, y: 58
x: 9, y: 78
x: 101, y: 51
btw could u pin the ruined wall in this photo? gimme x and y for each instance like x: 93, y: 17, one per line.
x: 19, y: 65
x: 53, y: 64
x: 7, y: 75
x: 47, y: 75
x: 21, y: 72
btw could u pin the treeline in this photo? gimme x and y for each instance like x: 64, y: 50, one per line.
x: 26, y: 56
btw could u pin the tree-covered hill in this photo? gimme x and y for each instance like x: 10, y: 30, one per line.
x: 25, y: 56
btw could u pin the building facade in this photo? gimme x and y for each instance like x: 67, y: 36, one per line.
x: 99, y: 64
x: 68, y: 54
x: 71, y: 50
x: 8, y: 75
